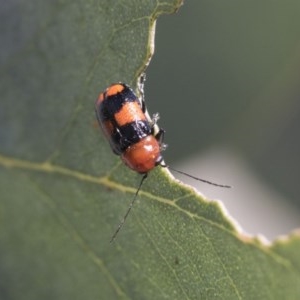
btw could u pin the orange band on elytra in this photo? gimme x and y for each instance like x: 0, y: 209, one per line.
x: 114, y: 89
x: 130, y: 112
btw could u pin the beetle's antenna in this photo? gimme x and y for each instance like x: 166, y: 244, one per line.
x: 129, y: 208
x: 196, y: 178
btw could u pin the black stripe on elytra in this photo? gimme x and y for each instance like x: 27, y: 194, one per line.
x: 113, y: 104
x: 129, y: 134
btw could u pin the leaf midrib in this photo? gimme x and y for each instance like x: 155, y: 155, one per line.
x: 47, y: 167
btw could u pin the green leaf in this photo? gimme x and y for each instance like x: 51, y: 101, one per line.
x: 63, y: 192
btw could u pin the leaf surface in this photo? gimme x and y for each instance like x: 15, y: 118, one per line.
x: 63, y: 191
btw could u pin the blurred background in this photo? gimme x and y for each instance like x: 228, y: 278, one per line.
x: 225, y: 78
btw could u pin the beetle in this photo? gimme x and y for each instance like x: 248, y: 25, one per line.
x: 132, y: 133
